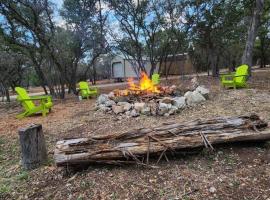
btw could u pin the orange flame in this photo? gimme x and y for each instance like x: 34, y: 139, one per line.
x: 145, y: 84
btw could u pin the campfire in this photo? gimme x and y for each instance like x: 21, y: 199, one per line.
x: 146, y: 98
x: 144, y: 87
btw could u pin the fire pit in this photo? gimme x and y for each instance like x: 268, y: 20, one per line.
x: 146, y: 98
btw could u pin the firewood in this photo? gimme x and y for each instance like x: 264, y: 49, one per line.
x: 142, y: 143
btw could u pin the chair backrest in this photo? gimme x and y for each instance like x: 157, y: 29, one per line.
x: 241, y: 71
x: 84, y: 86
x: 155, y: 78
x: 22, y: 94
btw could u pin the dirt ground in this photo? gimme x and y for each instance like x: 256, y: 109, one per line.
x: 233, y: 171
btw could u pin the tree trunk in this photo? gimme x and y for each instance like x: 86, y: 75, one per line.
x: 33, y: 148
x: 262, y: 50
x: 252, y: 32
x: 7, y: 94
x: 130, y: 146
x: 153, y: 68
x: 214, y: 65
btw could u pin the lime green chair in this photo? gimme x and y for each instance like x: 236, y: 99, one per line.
x: 155, y: 78
x: 30, y: 108
x: 237, y: 79
x: 87, y: 92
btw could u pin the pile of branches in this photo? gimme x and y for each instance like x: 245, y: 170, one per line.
x: 138, y: 145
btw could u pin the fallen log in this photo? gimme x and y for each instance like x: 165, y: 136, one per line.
x: 138, y: 145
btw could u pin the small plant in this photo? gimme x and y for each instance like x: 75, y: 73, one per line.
x: 236, y: 183
x: 161, y: 192
x: 24, y: 175
x: 4, y: 189
x: 229, y: 160
x: 113, y: 195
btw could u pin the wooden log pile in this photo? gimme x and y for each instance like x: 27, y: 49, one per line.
x: 138, y: 145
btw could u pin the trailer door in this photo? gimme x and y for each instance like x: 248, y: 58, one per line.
x: 118, y: 70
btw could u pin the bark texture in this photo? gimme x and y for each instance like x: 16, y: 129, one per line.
x: 33, y: 148
x: 137, y: 145
x: 252, y: 32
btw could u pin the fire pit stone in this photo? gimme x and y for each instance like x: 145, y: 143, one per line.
x: 162, y: 104
x: 193, y: 98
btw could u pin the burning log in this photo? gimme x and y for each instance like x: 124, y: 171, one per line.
x: 137, y: 145
x: 145, y: 87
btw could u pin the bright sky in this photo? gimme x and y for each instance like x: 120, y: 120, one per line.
x: 58, y: 18
x: 58, y: 3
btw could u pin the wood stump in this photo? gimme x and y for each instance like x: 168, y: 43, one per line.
x: 33, y: 147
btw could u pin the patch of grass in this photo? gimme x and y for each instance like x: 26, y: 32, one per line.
x: 209, y: 156
x: 2, y: 141
x: 113, y: 196
x: 80, y: 198
x: 23, y: 175
x: 50, y: 161
x: 229, y: 159
x: 161, y: 192
x: 4, y: 189
x: 266, y: 145
x: 236, y: 183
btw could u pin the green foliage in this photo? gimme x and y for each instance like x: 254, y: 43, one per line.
x: 4, y: 189
x: 214, y: 32
x: 23, y: 176
x: 218, y: 34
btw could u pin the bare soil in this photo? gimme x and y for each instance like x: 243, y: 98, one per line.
x: 233, y: 171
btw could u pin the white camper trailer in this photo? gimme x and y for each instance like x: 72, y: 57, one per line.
x: 123, y: 67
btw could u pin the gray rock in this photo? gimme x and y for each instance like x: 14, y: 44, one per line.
x: 154, y: 108
x: 139, y: 106
x: 102, y: 99
x: 187, y: 94
x: 179, y: 102
x: 122, y: 103
x: 120, y: 99
x: 134, y: 113
x: 109, y: 103
x: 212, y: 189
x: 166, y: 114
x: 173, y: 87
x: 111, y: 95
x: 166, y: 100
x: 194, y: 83
x: 146, y: 111
x: 163, y: 108
x: 104, y: 108
x: 203, y: 91
x: 193, y: 98
x: 118, y: 109
x: 127, y: 106
x: 173, y: 110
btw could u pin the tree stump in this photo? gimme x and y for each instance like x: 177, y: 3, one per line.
x: 33, y: 147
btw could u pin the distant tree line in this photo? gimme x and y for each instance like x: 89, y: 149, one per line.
x: 37, y: 49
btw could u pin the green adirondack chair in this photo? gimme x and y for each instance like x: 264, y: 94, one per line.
x: 30, y: 108
x: 155, y: 78
x: 237, y: 79
x: 87, y: 92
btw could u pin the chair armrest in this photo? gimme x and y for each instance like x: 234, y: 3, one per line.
x: 240, y: 75
x: 93, y: 88
x: 226, y: 76
x: 36, y: 98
